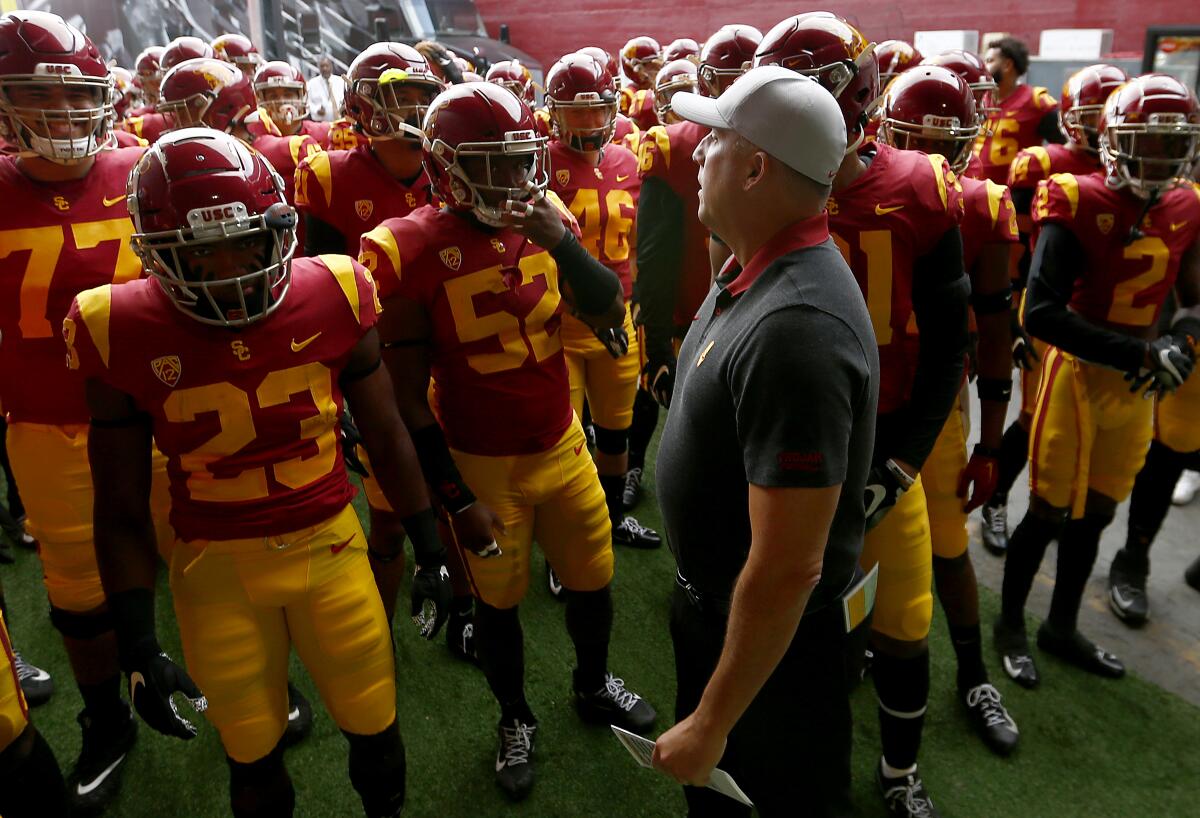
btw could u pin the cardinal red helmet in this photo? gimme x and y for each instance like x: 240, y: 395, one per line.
x: 894, y: 57
x: 56, y: 95
x: 483, y: 152
x: 1149, y: 134
x: 1083, y: 97
x: 124, y: 90
x: 150, y: 71
x: 281, y: 91
x: 726, y: 55
x: 196, y: 187
x: 930, y: 109
x: 513, y: 76
x: 675, y: 76
x: 641, y: 58
x: 827, y: 48
x: 685, y: 48
x: 184, y: 48
x: 606, y: 59
x: 376, y: 95
x: 581, y: 99
x: 238, y: 50
x: 971, y: 68
x: 205, y: 91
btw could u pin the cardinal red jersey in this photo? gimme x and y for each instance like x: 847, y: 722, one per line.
x: 889, y: 217
x: 285, y: 154
x: 666, y: 153
x: 603, y: 199
x: 974, y: 168
x: 149, y: 126
x: 343, y: 136
x: 1036, y: 163
x: 1010, y: 128
x: 319, y: 131
x: 124, y: 139
x: 353, y: 192
x: 988, y: 218
x: 496, y: 353
x: 625, y: 131
x: 641, y: 109
x: 541, y: 122
x: 248, y: 419
x: 1122, y: 284
x: 56, y: 240
x: 141, y: 110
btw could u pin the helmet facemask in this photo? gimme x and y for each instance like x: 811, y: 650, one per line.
x: 714, y: 81
x: 65, y: 135
x: 1150, y: 157
x: 397, y: 103
x: 489, y: 177
x: 1081, y: 126
x: 836, y: 77
x: 664, y: 92
x: 937, y: 134
x: 565, y: 119
x: 284, y: 102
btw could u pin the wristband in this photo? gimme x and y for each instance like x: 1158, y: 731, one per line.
x: 997, y: 389
x: 985, y: 451
x: 439, y: 469
x: 991, y: 303
x: 427, y: 546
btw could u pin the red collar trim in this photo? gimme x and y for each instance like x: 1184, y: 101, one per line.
x: 796, y: 236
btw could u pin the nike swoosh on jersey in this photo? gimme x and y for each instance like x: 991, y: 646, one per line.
x: 337, y: 549
x: 880, y: 210
x: 81, y: 789
x: 296, y: 347
x: 110, y: 202
x: 1176, y: 225
x: 622, y: 178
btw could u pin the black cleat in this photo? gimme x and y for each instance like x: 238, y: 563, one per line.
x: 514, y: 759
x: 94, y: 781
x: 990, y: 719
x: 633, y: 488
x: 36, y: 683
x: 905, y: 797
x: 1192, y: 575
x: 1081, y: 652
x: 635, y: 535
x: 995, y: 528
x: 1127, y: 588
x: 615, y: 704
x: 460, y: 635
x: 6, y: 553
x: 300, y: 718
x: 1015, y: 656
x: 554, y: 583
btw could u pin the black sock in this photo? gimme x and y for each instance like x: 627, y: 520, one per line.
x: 614, y: 487
x: 500, y: 648
x: 1077, y: 549
x: 1026, y: 547
x: 589, y: 622
x: 103, y: 699
x: 902, y: 686
x: 1151, y: 498
x: 377, y: 771
x: 31, y: 783
x: 645, y: 421
x: 1014, y: 453
x: 262, y: 788
x: 968, y: 649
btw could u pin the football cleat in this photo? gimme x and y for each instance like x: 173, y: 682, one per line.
x: 554, y: 583
x: 36, y: 683
x: 633, y: 488
x: 300, y: 718
x: 1185, y: 488
x: 514, y: 759
x: 460, y: 635
x: 1015, y: 656
x: 635, y: 535
x: 995, y: 528
x: 905, y: 797
x: 1081, y: 652
x: 990, y: 719
x: 617, y: 705
x: 1192, y: 575
x: 1127, y: 588
x: 96, y: 777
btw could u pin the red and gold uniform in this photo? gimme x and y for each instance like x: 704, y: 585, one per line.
x: 889, y: 217
x: 640, y: 107
x: 603, y: 200
x: 502, y: 392
x: 14, y: 711
x: 342, y: 136
x: 148, y: 126
x: 1010, y: 128
x: 285, y: 153
x: 270, y: 553
x: 125, y: 139
x: 57, y: 240
x: 318, y: 131
x: 1089, y: 431
x: 625, y: 133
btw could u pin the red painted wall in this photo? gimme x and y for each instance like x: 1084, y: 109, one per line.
x: 548, y: 30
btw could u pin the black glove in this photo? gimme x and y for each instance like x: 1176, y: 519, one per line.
x: 431, y: 595
x: 658, y: 378
x: 616, y: 341
x: 1171, y: 362
x: 351, y: 437
x: 883, y: 491
x: 1023, y: 353
x: 153, y: 678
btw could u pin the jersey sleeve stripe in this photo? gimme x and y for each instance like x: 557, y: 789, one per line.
x: 383, y: 238
x: 995, y: 195
x: 1043, y: 157
x: 1069, y: 185
x: 95, y: 308
x: 936, y: 161
x: 319, y: 167
x: 342, y: 268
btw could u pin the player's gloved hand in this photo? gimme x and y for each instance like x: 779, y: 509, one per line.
x: 475, y: 528
x: 979, y: 477
x: 1024, y: 355
x: 534, y: 217
x: 351, y: 437
x: 658, y: 378
x: 615, y: 340
x: 886, y: 484
x: 431, y: 595
x: 1169, y: 362
x: 153, y: 679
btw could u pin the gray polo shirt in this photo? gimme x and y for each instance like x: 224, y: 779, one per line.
x: 777, y: 385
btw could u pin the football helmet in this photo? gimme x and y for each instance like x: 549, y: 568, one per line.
x: 123, y: 90
x: 685, y: 48
x: 726, y: 55
x: 205, y: 91
x: 930, y: 109
x: 150, y: 71
x: 1083, y: 97
x: 606, y: 59
x: 483, y: 152
x: 375, y: 95
x: 894, y: 57
x: 238, y: 50
x: 970, y: 67
x: 281, y: 91
x: 833, y: 52
x: 193, y: 188
x: 1149, y: 134
x: 515, y: 77
x: 675, y: 76
x: 56, y: 93
x: 184, y: 48
x: 641, y: 58
x: 581, y: 99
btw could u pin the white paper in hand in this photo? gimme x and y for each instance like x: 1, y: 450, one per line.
x: 642, y: 750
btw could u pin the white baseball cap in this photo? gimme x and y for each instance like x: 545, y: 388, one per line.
x: 789, y: 115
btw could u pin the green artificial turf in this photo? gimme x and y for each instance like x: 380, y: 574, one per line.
x: 1088, y: 747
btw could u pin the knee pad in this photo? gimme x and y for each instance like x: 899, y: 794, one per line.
x: 611, y: 441
x: 262, y: 788
x: 377, y: 771
x: 81, y: 625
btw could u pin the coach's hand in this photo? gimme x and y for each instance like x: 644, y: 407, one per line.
x: 689, y: 752
x: 475, y: 528
x: 153, y: 679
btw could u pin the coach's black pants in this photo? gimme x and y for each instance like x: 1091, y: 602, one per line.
x: 790, y: 752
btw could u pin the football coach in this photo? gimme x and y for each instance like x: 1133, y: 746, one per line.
x: 763, y: 463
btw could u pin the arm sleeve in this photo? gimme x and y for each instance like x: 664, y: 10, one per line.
x: 1022, y: 199
x: 1052, y: 276
x: 1048, y: 128
x: 594, y: 286
x: 798, y: 437
x: 321, y: 237
x: 660, y: 260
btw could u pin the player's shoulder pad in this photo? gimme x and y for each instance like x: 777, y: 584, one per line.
x: 1030, y: 166
x: 301, y: 146
x: 1057, y: 198
x: 393, y: 244
x: 356, y: 284
x: 314, y: 180
x: 934, y: 184
x: 93, y: 310
x: 1043, y: 99
x: 654, y: 152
